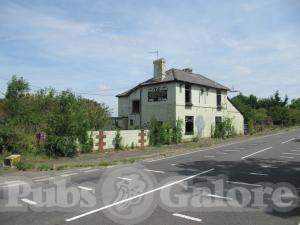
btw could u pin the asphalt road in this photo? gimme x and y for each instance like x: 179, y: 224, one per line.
x: 256, y: 181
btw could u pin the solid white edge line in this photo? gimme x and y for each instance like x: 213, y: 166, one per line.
x: 248, y: 184
x: 28, y: 201
x: 287, y: 141
x: 89, y: 171
x: 209, y: 156
x: 220, y: 146
x: 68, y: 174
x: 286, y: 157
x: 187, y: 217
x: 44, y: 179
x: 86, y: 168
x: 40, y: 177
x: 259, y: 174
x: 265, y: 149
x: 287, y: 153
x: 124, y: 178
x: 137, y: 196
x: 85, y: 188
x: 154, y: 171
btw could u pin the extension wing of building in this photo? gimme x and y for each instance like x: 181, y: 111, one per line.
x: 178, y: 94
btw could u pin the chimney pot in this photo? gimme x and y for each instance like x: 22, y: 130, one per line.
x: 189, y: 70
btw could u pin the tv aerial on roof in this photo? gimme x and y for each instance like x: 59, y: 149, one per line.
x: 154, y: 52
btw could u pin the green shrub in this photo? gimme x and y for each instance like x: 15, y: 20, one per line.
x: 177, y: 132
x: 88, y: 146
x: 165, y: 132
x: 117, y: 141
x: 22, y: 165
x: 61, y: 146
x: 224, y: 129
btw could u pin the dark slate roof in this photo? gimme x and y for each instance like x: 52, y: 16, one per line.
x: 174, y: 75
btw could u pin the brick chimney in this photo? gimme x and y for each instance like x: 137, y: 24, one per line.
x: 159, y: 70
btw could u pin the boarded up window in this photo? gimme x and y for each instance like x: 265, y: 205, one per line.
x: 157, y: 94
x: 136, y: 106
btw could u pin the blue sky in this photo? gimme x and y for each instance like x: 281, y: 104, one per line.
x: 101, y: 47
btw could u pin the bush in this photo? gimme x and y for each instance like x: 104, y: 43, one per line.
x: 165, y: 132
x: 177, y: 132
x: 21, y: 165
x: 88, y: 146
x: 117, y: 141
x: 224, y: 129
x: 61, y: 146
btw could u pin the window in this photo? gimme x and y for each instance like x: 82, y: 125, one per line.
x: 189, y: 125
x: 135, y: 106
x: 188, y: 94
x: 219, y: 98
x: 157, y: 94
x: 218, y: 121
x: 131, y: 122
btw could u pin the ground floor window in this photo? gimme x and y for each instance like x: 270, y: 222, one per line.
x: 218, y: 121
x: 189, y: 125
x: 131, y: 122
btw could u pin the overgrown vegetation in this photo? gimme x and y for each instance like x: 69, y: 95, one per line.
x: 117, y: 141
x: 47, y: 121
x: 263, y: 113
x: 165, y: 132
x: 224, y: 129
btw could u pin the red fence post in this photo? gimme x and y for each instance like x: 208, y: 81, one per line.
x: 101, y: 142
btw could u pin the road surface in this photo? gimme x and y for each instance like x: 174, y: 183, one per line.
x: 255, y: 181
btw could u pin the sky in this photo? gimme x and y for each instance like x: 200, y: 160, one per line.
x: 99, y: 48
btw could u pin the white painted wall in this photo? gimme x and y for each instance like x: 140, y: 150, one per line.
x: 204, y: 109
x: 128, y: 137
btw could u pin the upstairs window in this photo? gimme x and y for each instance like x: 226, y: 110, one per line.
x: 188, y: 94
x: 219, y: 100
x: 135, y: 107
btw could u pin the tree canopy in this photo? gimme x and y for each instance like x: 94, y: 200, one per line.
x: 63, y: 117
x: 264, y: 112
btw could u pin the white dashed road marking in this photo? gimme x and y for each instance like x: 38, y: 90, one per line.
x: 154, y: 171
x: 137, y: 196
x: 288, y: 141
x: 218, y: 196
x: 28, y: 201
x: 85, y: 188
x: 187, y: 217
x: 265, y: 149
